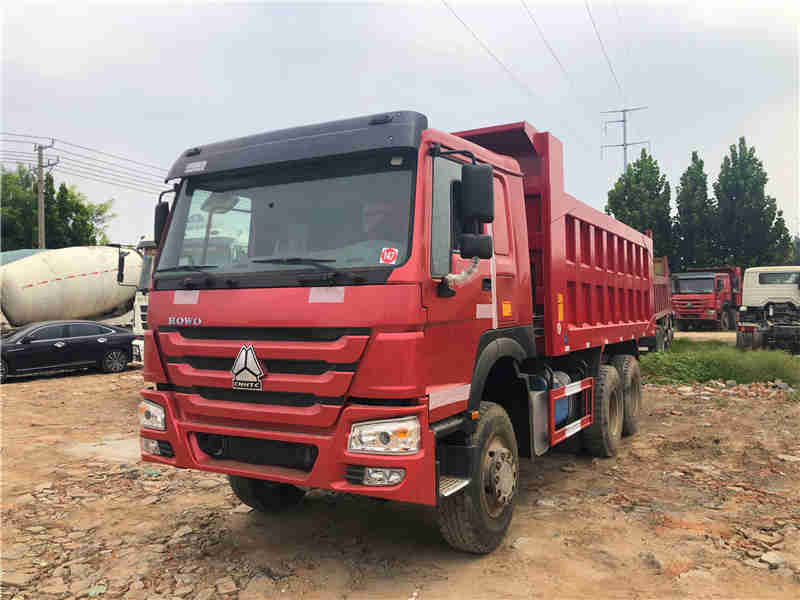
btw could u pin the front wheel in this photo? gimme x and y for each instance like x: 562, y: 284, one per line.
x: 115, y: 361
x: 3, y: 371
x: 265, y: 496
x: 476, y: 519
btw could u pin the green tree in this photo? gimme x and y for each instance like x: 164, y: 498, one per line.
x: 696, y: 223
x: 640, y: 198
x: 70, y: 219
x: 752, y: 230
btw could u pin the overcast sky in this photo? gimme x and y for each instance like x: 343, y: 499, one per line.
x: 148, y: 80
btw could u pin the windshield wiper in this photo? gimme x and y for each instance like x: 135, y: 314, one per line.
x: 330, y: 276
x: 187, y: 268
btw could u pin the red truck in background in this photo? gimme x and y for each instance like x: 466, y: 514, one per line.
x: 708, y: 297
x: 408, y: 313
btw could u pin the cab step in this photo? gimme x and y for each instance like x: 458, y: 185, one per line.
x: 450, y: 485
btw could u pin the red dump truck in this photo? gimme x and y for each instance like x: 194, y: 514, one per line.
x: 409, y: 313
x: 707, y: 297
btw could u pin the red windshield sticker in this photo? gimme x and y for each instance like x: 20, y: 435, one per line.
x: 389, y: 256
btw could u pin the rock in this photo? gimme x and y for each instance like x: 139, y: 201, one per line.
x: 519, y: 542
x: 568, y: 468
x: 257, y: 589
x: 16, y: 579
x: 755, y: 564
x: 185, y: 530
x: 773, y: 559
x: 226, y: 585
x: 546, y: 502
x: 183, y: 591
x: 53, y: 586
x: 36, y: 529
x: 788, y: 458
x: 242, y: 509
x: 676, y: 413
x: 207, y: 484
x: 651, y: 561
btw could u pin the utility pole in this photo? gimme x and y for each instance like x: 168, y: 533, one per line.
x: 40, y: 168
x: 625, y: 143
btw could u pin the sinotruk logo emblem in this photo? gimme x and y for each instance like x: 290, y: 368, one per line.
x: 247, y: 371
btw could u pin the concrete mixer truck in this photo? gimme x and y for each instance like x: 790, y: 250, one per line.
x: 67, y: 283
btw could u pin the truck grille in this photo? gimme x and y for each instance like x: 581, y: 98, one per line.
x: 251, y: 397
x: 295, y: 367
x: 258, y: 452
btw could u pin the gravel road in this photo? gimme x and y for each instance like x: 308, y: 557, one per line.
x: 704, y: 502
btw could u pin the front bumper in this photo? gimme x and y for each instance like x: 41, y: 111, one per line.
x: 186, y: 418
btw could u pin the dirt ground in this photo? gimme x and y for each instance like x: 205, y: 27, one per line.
x: 703, y: 503
x: 728, y: 337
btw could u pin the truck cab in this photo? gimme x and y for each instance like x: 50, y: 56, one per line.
x: 770, y: 311
x: 706, y: 298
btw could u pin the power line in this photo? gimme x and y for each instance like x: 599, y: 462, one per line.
x: 113, y: 165
x: 95, y: 150
x: 111, y: 177
x: 546, y: 43
x: 602, y: 47
x: 510, y: 73
x: 92, y: 168
x: 116, y: 183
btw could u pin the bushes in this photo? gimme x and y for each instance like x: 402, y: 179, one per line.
x: 688, y: 361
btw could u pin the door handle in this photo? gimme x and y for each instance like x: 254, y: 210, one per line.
x: 59, y: 344
x: 101, y: 340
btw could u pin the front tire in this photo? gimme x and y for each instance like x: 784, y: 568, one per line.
x: 3, y: 371
x: 602, y: 437
x: 630, y: 376
x: 115, y: 361
x: 476, y: 519
x: 265, y: 496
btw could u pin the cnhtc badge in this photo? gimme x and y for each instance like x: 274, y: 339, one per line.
x: 247, y: 372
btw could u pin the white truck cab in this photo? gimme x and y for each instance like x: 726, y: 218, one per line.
x: 770, y: 312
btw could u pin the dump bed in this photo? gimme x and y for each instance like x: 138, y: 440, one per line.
x: 592, y: 275
x: 662, y: 287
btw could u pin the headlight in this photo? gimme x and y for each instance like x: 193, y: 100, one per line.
x: 392, y: 436
x: 742, y: 309
x: 151, y: 415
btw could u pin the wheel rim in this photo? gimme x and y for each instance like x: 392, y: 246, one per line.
x: 635, y: 394
x: 115, y: 361
x: 615, y: 413
x: 498, y: 477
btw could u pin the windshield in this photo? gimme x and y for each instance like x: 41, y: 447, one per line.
x: 147, y: 270
x: 351, y: 212
x: 694, y: 286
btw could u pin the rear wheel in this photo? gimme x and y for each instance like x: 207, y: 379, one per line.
x: 265, y: 496
x: 602, y: 437
x: 3, y: 371
x: 631, y: 380
x: 476, y: 519
x: 115, y: 361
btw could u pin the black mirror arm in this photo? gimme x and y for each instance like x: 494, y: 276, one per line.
x: 436, y: 150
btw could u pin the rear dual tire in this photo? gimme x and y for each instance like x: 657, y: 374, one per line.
x: 603, y: 436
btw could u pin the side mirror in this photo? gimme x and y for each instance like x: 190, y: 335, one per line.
x: 473, y: 245
x: 477, y: 193
x: 121, y: 266
x: 160, y: 220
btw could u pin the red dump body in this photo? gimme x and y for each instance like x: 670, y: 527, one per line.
x: 592, y: 273
x: 662, y: 288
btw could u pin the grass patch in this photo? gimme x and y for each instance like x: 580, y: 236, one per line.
x: 687, y: 361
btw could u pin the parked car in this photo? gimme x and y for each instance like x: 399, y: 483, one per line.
x: 64, y: 345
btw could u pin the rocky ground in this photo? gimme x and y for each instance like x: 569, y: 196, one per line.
x: 703, y: 503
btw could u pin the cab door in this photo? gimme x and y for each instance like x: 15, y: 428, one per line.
x: 455, y: 322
